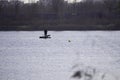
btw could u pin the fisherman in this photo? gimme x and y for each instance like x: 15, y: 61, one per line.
x: 45, y: 32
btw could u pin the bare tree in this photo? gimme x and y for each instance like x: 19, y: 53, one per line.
x: 57, y: 6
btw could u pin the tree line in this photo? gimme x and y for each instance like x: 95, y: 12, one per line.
x: 59, y: 13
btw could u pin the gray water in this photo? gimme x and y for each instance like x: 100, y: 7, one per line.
x: 23, y: 56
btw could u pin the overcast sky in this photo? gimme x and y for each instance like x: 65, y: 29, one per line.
x: 37, y: 0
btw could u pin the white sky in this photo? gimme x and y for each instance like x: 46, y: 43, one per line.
x: 37, y: 0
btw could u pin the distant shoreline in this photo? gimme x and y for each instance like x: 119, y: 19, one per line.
x: 60, y: 27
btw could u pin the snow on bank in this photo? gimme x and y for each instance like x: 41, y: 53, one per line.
x: 95, y: 54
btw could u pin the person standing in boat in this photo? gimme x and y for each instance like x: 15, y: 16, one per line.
x: 45, y: 35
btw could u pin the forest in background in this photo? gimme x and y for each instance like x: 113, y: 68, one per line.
x: 60, y: 15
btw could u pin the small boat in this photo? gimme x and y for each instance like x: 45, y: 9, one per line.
x: 45, y: 35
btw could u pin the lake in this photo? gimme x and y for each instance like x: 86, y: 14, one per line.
x: 24, y: 56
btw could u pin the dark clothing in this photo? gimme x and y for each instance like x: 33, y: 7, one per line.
x: 45, y: 32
